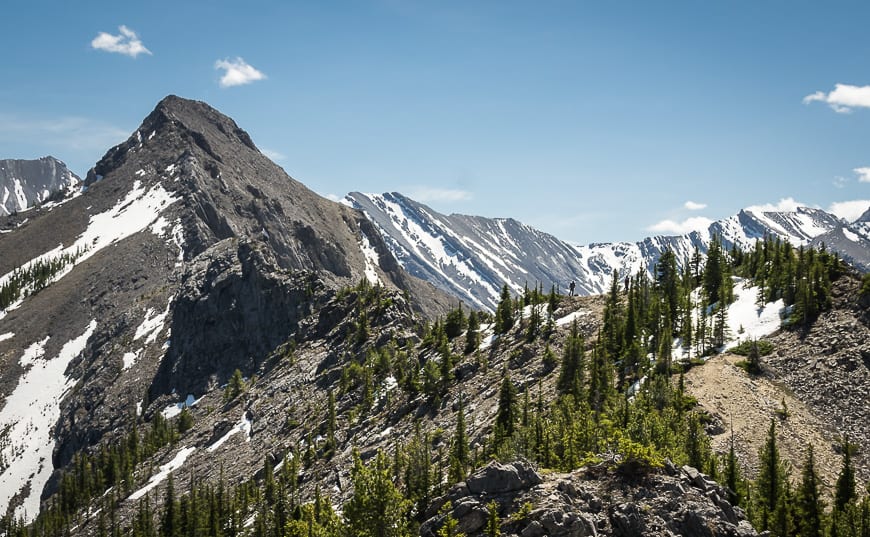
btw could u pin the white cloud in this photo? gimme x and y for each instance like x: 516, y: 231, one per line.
x: 694, y: 206
x: 784, y: 205
x: 695, y: 223
x: 863, y: 174
x: 843, y: 99
x: 332, y: 197
x: 273, y: 155
x: 237, y: 72
x: 127, y: 43
x: 849, y: 210
x: 427, y: 194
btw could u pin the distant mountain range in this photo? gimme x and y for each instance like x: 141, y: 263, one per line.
x: 472, y: 257
x: 24, y: 183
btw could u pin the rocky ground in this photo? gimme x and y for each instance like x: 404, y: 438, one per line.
x: 595, y: 500
x: 821, y: 374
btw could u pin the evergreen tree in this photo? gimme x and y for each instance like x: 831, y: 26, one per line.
x: 845, y: 488
x: 171, y: 523
x: 771, y: 479
x: 713, y: 272
x: 459, y: 452
x: 809, y: 507
x: 504, y: 312
x: 472, y: 335
x: 493, y: 524
x: 235, y: 386
x: 571, y: 374
x: 377, y: 508
x: 506, y: 416
x: 454, y: 323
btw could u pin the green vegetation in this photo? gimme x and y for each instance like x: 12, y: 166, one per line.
x: 36, y: 277
x: 618, y: 402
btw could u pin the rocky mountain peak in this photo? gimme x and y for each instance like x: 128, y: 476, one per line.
x: 24, y: 183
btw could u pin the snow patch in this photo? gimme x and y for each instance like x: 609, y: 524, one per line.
x: 372, y: 260
x: 30, y: 413
x: 744, y: 314
x: 851, y: 236
x: 175, y: 409
x: 129, y: 359
x: 37, y: 350
x: 7, y: 335
x: 152, y: 325
x: 138, y: 209
x: 159, y: 226
x: 243, y: 426
x: 571, y: 317
x: 164, y: 472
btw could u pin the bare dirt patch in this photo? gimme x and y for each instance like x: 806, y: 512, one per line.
x: 732, y: 396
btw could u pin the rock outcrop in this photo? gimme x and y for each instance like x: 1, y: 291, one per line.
x: 590, y: 501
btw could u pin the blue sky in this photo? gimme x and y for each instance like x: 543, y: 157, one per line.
x: 594, y: 121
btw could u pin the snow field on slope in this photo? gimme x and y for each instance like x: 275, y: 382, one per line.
x: 30, y: 412
x: 139, y: 209
x: 745, y: 319
x: 415, y: 236
x: 175, y: 408
x: 372, y: 259
x: 242, y: 426
x: 165, y: 469
x: 851, y: 236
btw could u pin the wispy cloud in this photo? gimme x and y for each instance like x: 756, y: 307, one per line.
x: 427, y: 194
x: 863, y: 174
x: 127, y: 43
x: 695, y: 223
x: 784, y: 205
x: 70, y: 132
x: 849, y: 210
x: 274, y: 155
x: 237, y: 72
x: 843, y: 98
x: 694, y: 206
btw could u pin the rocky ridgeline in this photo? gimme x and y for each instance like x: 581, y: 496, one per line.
x: 590, y: 501
x: 836, y: 349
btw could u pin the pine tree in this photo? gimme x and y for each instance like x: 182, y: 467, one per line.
x: 571, y: 374
x: 845, y: 488
x: 377, y: 508
x: 809, y: 507
x: 504, y: 313
x: 459, y: 452
x: 733, y: 479
x: 493, y: 527
x: 506, y: 416
x: 170, y: 525
x: 472, y: 335
x: 771, y: 479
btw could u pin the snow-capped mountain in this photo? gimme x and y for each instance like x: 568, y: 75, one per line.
x: 851, y: 240
x: 471, y: 257
x: 24, y: 183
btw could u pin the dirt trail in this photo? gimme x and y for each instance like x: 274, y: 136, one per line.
x: 727, y: 392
